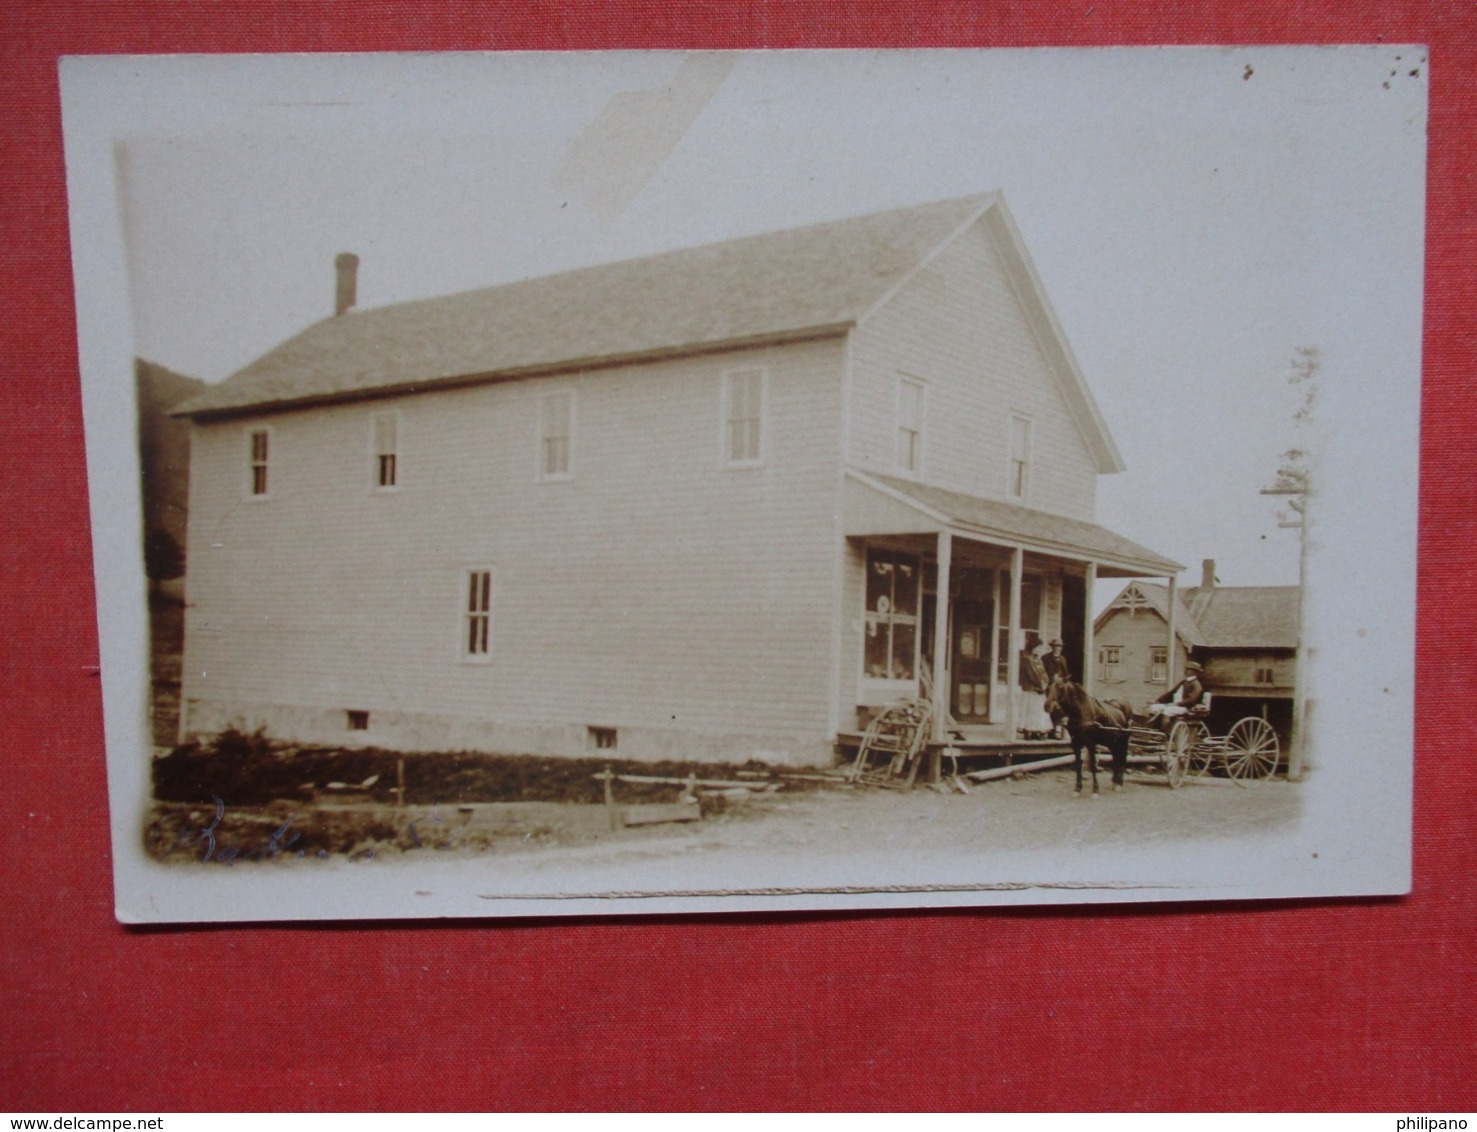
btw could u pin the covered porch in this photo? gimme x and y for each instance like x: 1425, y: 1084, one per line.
x: 948, y: 587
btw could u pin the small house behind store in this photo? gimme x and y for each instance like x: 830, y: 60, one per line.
x: 1246, y: 637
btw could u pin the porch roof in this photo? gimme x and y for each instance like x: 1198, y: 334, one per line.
x: 917, y: 508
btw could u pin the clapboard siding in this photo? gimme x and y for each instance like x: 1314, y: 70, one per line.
x: 1237, y: 672
x: 1137, y: 633
x: 656, y: 590
x: 958, y: 326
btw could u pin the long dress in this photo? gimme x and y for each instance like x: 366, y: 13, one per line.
x: 1032, y: 699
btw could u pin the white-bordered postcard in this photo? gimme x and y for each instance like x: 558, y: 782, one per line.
x: 539, y: 484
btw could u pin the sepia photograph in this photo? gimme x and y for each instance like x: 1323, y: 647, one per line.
x: 581, y: 483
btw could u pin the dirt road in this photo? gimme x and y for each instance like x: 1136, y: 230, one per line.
x: 1017, y: 836
x: 1006, y: 834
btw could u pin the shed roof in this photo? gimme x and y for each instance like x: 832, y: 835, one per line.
x: 775, y: 286
x: 1014, y: 523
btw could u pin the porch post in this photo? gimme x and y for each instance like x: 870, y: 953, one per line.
x: 1171, y: 652
x: 1013, y: 653
x: 1089, y: 646
x: 940, y: 660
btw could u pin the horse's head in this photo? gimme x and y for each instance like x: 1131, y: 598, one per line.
x: 1064, y: 697
x: 1053, y: 695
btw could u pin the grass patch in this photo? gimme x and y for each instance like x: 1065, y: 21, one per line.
x: 252, y: 770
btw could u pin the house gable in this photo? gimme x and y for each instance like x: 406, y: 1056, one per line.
x: 970, y: 324
x: 1146, y: 599
x: 1245, y: 636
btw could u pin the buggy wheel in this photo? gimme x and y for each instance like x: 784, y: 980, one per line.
x: 1197, y: 752
x: 1177, y: 751
x: 1252, y: 750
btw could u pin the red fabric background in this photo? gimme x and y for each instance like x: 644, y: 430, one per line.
x: 1364, y: 1005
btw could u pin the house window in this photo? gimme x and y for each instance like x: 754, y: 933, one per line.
x: 384, y: 431
x: 1110, y: 664
x: 259, y: 446
x: 891, y: 649
x: 556, y: 435
x: 909, y: 424
x: 603, y: 738
x: 1158, y: 664
x: 358, y: 720
x: 477, y: 615
x: 1020, y: 457
x: 743, y: 416
x: 1266, y: 672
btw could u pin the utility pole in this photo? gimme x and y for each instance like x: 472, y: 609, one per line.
x: 1292, y: 484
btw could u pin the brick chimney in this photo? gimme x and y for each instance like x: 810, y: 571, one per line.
x: 1207, y: 573
x: 346, y: 295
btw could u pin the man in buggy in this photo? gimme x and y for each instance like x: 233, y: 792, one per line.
x: 1180, y: 700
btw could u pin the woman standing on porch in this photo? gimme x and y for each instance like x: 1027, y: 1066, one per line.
x: 1032, y: 700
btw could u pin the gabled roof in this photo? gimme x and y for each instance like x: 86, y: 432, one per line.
x: 1225, y: 617
x: 1139, y: 597
x: 1012, y: 523
x: 772, y: 287
x: 1243, y: 617
x: 781, y: 286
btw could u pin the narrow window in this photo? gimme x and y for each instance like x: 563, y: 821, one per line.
x: 1031, y: 587
x: 358, y: 720
x: 1158, y: 664
x: 743, y: 416
x: 477, y: 615
x: 603, y: 738
x: 1265, y: 671
x: 385, y: 428
x: 891, y: 648
x: 1109, y: 659
x: 260, y: 446
x: 1020, y: 457
x: 909, y: 424
x: 556, y: 434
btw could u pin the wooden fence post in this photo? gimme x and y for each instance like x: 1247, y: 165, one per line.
x: 608, y: 777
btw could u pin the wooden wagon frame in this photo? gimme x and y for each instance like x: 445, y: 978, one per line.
x: 1250, y: 749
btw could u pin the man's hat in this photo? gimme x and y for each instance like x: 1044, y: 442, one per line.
x: 1056, y: 641
x: 1193, y: 666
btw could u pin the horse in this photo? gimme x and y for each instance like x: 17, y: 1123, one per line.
x: 1092, y: 723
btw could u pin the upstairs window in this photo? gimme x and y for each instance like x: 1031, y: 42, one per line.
x: 477, y: 615
x: 384, y: 429
x: 909, y: 424
x: 1020, y: 457
x: 1158, y: 664
x: 1266, y: 671
x: 259, y: 448
x: 1110, y: 664
x: 556, y: 435
x: 743, y: 417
